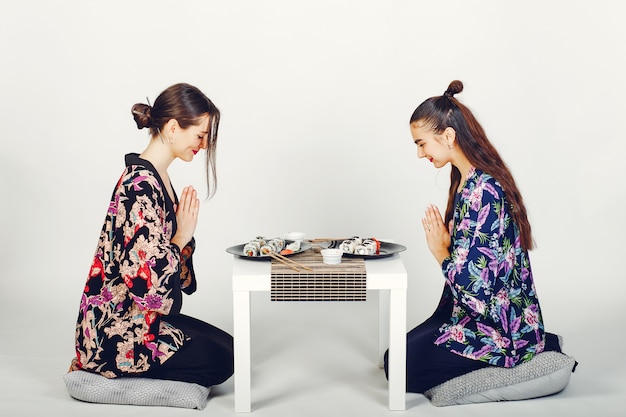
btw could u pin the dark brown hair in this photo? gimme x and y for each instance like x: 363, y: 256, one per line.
x: 445, y: 111
x: 186, y: 104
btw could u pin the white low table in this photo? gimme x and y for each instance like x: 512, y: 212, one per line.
x: 386, y: 274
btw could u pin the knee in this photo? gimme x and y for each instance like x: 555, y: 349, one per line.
x: 386, y: 363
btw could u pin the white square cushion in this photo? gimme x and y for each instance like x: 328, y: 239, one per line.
x: 546, y: 374
x: 95, y: 388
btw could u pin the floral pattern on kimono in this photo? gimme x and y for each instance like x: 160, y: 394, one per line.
x: 135, y: 280
x: 496, y: 316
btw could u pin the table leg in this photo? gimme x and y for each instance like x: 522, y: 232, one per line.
x: 383, y: 326
x: 397, y: 349
x: 241, y: 347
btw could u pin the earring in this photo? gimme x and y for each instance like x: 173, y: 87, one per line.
x: 170, y: 140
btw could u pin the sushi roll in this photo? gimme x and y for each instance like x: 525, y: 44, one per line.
x: 368, y: 247
x: 350, y: 245
x: 260, y: 239
x: 362, y: 250
x: 377, y: 245
x: 266, y: 249
x: 371, y: 245
x: 261, y: 245
x: 252, y: 248
x: 275, y: 245
x: 279, y: 243
x: 347, y: 246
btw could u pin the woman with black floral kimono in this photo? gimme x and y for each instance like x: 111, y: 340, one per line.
x: 129, y: 321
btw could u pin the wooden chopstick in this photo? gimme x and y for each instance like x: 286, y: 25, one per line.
x: 289, y: 262
x: 292, y: 262
x: 329, y: 239
x: 282, y: 261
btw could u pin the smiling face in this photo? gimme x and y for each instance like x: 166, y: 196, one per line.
x: 432, y: 146
x: 187, y: 142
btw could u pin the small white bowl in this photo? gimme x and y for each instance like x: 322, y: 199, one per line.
x: 295, y: 236
x: 331, y: 256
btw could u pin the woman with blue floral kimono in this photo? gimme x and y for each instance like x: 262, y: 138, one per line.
x: 129, y: 320
x: 489, y: 312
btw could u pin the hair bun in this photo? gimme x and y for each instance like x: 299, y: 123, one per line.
x: 141, y: 114
x: 455, y: 87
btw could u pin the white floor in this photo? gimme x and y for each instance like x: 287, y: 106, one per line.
x: 306, y: 362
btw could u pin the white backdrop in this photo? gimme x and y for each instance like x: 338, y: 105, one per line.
x: 316, y: 98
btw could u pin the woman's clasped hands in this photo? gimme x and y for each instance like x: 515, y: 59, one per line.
x: 437, y: 234
x: 186, y: 216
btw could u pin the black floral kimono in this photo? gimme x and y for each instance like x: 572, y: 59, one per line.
x: 135, y: 280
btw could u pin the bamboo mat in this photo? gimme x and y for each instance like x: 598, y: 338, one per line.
x: 343, y: 282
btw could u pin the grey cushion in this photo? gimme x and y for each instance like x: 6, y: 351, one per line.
x: 546, y: 374
x: 95, y: 388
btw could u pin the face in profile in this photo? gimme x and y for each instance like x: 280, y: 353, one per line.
x: 430, y: 145
x: 188, y: 142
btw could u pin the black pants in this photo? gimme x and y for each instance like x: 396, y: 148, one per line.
x: 428, y: 365
x: 205, y: 360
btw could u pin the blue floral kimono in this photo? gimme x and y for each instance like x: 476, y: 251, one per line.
x: 135, y: 280
x: 495, y: 313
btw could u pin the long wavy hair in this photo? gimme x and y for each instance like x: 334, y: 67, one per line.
x: 444, y: 111
x: 186, y: 104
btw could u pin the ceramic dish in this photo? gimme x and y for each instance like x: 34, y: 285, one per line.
x: 386, y: 249
x: 237, y: 250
